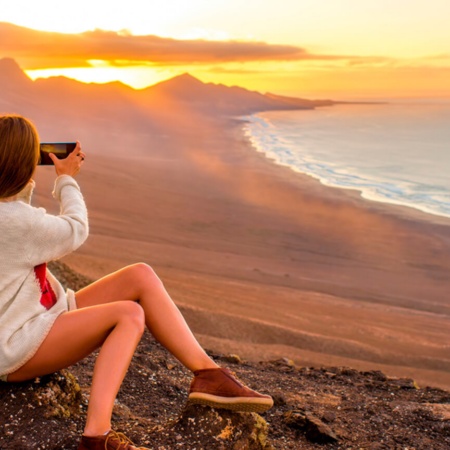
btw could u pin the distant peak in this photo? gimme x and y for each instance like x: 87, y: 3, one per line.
x: 183, y: 80
x: 9, y: 64
x: 186, y: 76
x: 11, y: 72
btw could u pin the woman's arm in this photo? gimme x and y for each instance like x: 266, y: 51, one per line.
x: 52, y: 237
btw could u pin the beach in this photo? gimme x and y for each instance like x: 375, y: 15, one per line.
x: 265, y: 262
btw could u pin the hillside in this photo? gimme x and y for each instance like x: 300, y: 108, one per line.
x: 222, y: 99
x: 325, y: 407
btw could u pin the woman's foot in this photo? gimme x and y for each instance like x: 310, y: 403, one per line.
x: 218, y: 388
x: 109, y: 441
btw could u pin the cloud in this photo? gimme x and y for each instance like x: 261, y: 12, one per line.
x: 39, y: 49
x: 439, y: 57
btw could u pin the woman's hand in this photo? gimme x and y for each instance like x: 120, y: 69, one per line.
x: 70, y: 165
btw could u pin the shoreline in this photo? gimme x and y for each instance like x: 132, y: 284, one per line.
x: 272, y: 156
x: 400, y: 210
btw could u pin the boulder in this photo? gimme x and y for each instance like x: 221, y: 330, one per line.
x: 221, y: 429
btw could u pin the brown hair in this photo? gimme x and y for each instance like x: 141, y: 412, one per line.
x: 19, y: 153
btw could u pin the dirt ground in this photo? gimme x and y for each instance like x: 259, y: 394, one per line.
x: 322, y: 407
x: 354, y: 410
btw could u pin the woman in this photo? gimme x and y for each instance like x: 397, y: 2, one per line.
x: 44, y: 329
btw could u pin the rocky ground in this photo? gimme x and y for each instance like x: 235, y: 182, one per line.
x: 328, y: 408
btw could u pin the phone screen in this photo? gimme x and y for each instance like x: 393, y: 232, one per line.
x: 60, y: 149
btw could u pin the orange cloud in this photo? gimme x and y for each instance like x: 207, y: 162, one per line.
x: 39, y: 49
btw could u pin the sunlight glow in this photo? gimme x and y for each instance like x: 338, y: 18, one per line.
x: 135, y: 77
x: 354, y: 46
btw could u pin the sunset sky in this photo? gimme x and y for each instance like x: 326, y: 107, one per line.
x: 340, y: 48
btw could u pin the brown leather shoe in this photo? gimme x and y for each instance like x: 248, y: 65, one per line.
x: 110, y: 441
x: 218, y: 388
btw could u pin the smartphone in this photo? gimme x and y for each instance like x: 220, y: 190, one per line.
x: 60, y: 149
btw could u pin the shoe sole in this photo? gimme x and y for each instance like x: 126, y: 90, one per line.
x: 238, y: 404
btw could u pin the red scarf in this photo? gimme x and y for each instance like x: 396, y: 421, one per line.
x: 48, y: 297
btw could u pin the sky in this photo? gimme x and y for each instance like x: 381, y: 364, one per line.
x: 310, y: 48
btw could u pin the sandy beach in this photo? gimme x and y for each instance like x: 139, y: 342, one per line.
x: 265, y: 262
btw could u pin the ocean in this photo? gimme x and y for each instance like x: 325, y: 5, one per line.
x: 397, y: 152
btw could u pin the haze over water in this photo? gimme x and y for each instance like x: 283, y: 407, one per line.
x: 395, y: 153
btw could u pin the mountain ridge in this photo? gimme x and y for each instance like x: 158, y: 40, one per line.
x: 184, y: 88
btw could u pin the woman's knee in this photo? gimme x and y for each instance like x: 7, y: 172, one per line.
x: 131, y: 313
x: 143, y: 274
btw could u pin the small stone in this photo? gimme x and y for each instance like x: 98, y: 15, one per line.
x: 295, y: 419
x: 329, y: 416
x: 286, y: 362
x: 233, y: 359
x: 403, y: 383
x: 315, y: 430
x: 376, y: 375
x: 279, y: 399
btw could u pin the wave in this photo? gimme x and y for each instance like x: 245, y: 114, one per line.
x: 283, y: 147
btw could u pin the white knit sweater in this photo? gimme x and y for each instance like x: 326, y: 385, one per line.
x: 30, y: 296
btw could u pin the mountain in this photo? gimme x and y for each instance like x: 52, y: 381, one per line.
x: 11, y: 75
x: 183, y: 89
x: 98, y: 114
x: 220, y: 98
x: 65, y: 109
x: 15, y: 87
x: 183, y: 86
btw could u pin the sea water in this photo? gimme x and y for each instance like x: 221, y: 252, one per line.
x: 396, y: 152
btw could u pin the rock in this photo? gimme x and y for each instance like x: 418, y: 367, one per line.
x: 315, y: 430
x: 403, y: 383
x: 59, y: 393
x: 220, y: 429
x: 348, y: 371
x: 440, y: 411
x: 279, y: 399
x: 283, y: 362
x: 329, y: 416
x: 170, y: 366
x: 33, y: 404
x: 233, y: 359
x: 55, y: 395
x: 318, y: 431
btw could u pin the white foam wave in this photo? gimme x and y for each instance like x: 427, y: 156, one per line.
x: 376, y: 183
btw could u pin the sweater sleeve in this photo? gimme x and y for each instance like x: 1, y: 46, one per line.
x: 54, y: 236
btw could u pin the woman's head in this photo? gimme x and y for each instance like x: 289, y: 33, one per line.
x: 19, y: 153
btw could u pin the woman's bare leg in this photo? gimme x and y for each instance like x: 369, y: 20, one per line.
x: 117, y: 328
x: 140, y: 283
